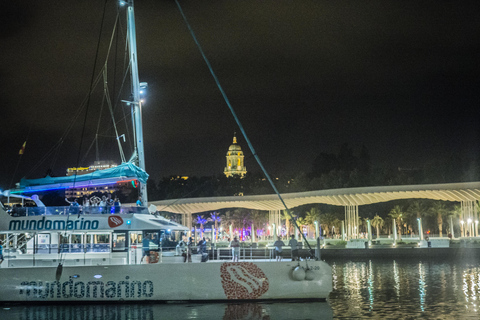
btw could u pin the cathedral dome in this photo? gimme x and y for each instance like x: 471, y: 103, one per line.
x: 235, y: 157
x: 234, y: 147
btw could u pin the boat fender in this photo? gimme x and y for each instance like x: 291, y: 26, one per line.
x: 298, y: 274
x: 58, y: 273
x: 309, y: 275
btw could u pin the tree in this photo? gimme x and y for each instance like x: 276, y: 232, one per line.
x: 377, y: 222
x: 258, y: 218
x: 416, y: 210
x: 327, y: 221
x: 215, y: 218
x: 397, y: 214
x: 238, y: 218
x: 457, y: 212
x: 440, y: 211
x: 288, y: 219
x: 312, y: 215
x: 201, y: 220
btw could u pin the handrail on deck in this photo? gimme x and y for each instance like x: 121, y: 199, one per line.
x: 75, y: 210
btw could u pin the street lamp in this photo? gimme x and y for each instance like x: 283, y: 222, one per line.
x: 420, y: 229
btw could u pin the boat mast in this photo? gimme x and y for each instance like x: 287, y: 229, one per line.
x: 136, y: 103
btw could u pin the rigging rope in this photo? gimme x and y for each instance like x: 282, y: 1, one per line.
x: 227, y: 101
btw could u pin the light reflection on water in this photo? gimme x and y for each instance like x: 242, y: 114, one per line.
x: 239, y: 311
x: 404, y: 289
x: 370, y: 289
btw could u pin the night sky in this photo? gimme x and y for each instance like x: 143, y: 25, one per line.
x: 401, y: 77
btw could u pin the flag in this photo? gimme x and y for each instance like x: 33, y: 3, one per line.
x: 22, y: 150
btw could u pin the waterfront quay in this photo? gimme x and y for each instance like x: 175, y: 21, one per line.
x: 435, y: 248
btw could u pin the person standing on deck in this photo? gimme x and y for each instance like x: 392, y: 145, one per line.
x: 146, y: 249
x: 278, y: 248
x: 190, y: 245
x: 293, y: 245
x: 235, y: 245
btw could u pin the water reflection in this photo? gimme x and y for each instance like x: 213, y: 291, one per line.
x: 233, y: 311
x: 376, y: 289
x: 405, y: 289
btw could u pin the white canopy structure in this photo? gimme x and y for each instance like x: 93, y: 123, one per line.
x: 467, y: 191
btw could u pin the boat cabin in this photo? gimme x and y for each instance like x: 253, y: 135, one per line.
x: 33, y: 234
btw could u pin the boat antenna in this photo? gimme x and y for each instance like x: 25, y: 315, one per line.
x: 227, y: 101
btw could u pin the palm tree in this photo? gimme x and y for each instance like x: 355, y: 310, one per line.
x: 312, y: 215
x: 397, y: 214
x: 327, y: 221
x: 416, y: 210
x: 258, y: 219
x: 336, y: 225
x: 457, y: 212
x: 440, y: 211
x: 302, y: 222
x: 377, y: 222
x: 216, y: 218
x: 201, y: 220
x: 286, y: 216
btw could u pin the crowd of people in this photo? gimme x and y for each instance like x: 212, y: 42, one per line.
x: 278, y: 251
x: 185, y: 248
x: 107, y: 204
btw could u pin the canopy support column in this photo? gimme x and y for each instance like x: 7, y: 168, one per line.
x: 351, y: 222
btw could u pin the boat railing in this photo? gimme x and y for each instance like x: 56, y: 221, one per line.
x: 75, y: 210
x: 250, y: 253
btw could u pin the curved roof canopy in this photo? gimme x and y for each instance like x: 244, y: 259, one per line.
x: 467, y: 191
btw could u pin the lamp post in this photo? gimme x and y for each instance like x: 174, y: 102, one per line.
x: 420, y: 228
x: 462, y: 231
x: 316, y: 229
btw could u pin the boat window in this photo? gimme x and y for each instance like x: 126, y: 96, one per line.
x: 118, y: 241
x: 98, y: 242
x: 76, y: 238
x: 135, y: 238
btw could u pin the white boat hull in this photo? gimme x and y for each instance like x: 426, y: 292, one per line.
x: 212, y: 281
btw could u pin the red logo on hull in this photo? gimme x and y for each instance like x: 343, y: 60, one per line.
x: 115, y: 221
x: 243, y: 280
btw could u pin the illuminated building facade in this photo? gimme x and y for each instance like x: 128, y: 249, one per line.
x: 235, y: 158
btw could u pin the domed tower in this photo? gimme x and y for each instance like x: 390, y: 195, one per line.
x: 235, y: 165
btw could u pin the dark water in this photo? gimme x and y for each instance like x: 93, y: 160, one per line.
x: 370, y: 289
x: 403, y: 289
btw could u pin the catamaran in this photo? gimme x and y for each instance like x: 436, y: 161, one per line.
x: 115, y: 253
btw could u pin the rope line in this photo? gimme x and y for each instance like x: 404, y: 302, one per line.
x: 227, y: 101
